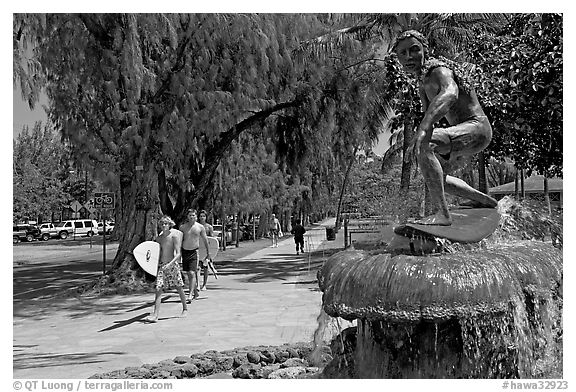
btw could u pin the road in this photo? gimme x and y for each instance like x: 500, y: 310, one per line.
x: 43, y: 268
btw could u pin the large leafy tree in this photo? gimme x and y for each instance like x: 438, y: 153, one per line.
x: 140, y: 94
x: 158, y: 100
x: 522, y: 91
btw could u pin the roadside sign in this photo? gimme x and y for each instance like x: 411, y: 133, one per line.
x: 75, y: 206
x: 91, y: 210
x: 104, y: 200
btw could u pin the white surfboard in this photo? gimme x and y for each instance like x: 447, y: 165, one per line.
x: 214, y: 245
x: 147, y: 254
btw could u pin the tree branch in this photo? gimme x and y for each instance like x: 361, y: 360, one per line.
x: 217, y: 150
x: 100, y: 33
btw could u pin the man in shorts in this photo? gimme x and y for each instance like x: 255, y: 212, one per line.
x: 445, y: 92
x: 193, y: 231
x: 275, y: 230
x: 210, y: 233
x: 168, y: 275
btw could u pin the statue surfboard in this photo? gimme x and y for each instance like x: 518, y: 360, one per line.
x: 147, y: 254
x: 469, y: 225
x: 214, y: 245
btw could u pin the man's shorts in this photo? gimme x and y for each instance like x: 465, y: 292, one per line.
x: 168, y: 278
x: 190, y: 260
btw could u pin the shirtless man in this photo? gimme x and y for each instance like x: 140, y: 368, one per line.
x: 210, y: 233
x: 444, y: 92
x: 193, y: 231
x: 274, y: 230
x: 168, y: 274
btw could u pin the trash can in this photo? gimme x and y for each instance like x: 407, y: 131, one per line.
x: 330, y: 233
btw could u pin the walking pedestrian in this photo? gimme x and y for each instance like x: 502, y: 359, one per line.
x: 298, y: 230
x: 275, y: 230
x: 209, y: 233
x: 168, y: 275
x: 193, y: 231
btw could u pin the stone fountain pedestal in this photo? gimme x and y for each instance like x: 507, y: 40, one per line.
x: 482, y: 313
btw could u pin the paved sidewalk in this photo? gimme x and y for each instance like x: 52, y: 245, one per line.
x: 269, y: 297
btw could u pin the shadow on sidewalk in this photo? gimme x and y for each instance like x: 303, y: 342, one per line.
x: 44, y: 360
x: 287, y: 268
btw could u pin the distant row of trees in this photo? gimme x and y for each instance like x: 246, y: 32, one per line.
x: 44, y: 181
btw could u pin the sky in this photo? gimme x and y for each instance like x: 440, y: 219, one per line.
x: 23, y: 115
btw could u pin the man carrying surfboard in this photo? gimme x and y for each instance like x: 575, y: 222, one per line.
x: 445, y: 92
x: 168, y: 275
x: 209, y: 233
x: 193, y: 231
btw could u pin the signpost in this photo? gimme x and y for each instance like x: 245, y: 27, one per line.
x: 104, y: 200
x: 76, y: 207
x: 91, y: 210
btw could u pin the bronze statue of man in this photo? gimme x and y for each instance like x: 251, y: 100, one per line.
x: 444, y: 92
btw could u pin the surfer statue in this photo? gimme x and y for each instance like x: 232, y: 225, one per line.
x: 445, y: 92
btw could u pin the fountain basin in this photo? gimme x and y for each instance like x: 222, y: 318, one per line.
x: 484, y: 313
x: 358, y: 284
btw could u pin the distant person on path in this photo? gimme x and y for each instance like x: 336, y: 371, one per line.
x: 275, y: 230
x: 210, y: 233
x: 168, y: 275
x: 193, y: 231
x: 298, y: 230
x: 446, y: 91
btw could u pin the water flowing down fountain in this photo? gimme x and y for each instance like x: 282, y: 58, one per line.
x: 493, y: 310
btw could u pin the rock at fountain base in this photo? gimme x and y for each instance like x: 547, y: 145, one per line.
x: 469, y: 225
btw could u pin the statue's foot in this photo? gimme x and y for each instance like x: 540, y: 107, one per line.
x: 434, y: 220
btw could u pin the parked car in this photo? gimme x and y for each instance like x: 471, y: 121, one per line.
x: 218, y: 233
x: 87, y: 227
x: 25, y: 232
x: 109, y: 227
x: 47, y: 231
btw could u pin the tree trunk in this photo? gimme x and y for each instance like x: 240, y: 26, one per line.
x: 343, y: 189
x: 516, y: 185
x: 547, y: 195
x: 140, y: 207
x: 406, y: 164
x: 482, y: 180
x: 238, y: 228
x: 426, y: 207
x: 522, y: 189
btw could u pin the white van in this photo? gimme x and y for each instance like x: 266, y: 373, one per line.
x: 86, y: 227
